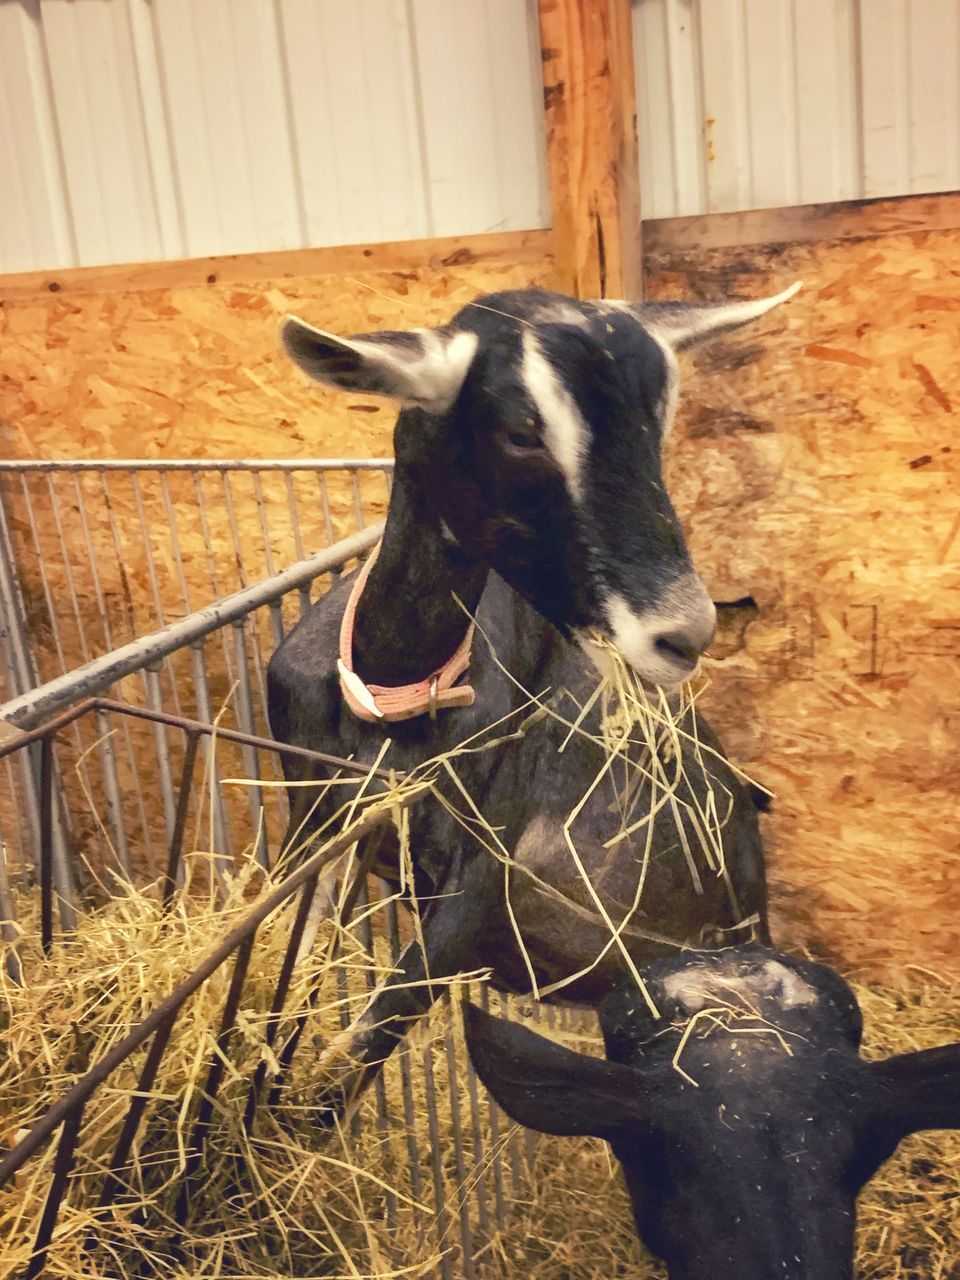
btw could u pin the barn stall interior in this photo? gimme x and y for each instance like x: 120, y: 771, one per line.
x: 174, y: 496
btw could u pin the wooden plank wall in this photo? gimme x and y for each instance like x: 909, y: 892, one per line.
x: 816, y: 464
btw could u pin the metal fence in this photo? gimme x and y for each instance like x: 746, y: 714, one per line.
x: 102, y: 569
x: 458, y: 1179
x: 99, y: 791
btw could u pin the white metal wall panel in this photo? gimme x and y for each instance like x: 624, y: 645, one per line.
x: 226, y: 105
x: 140, y: 129
x: 35, y: 223
x: 747, y: 104
x: 352, y: 86
x: 98, y: 107
x: 827, y: 135
x: 482, y: 114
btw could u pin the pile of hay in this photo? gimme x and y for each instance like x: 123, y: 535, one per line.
x: 286, y: 1201
x: 370, y: 1200
x: 292, y: 1203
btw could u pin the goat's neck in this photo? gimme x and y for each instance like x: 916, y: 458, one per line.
x: 408, y: 622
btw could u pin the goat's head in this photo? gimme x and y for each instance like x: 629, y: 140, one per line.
x: 743, y: 1116
x: 533, y: 425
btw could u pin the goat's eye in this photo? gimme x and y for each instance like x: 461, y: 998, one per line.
x: 525, y: 439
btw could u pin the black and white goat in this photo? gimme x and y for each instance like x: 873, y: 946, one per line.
x: 744, y: 1118
x: 528, y: 493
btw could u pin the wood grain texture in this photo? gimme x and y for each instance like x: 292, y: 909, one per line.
x: 816, y: 464
x: 590, y: 104
x: 494, y: 250
x: 839, y: 220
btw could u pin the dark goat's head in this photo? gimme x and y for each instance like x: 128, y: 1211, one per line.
x: 533, y: 424
x: 744, y: 1118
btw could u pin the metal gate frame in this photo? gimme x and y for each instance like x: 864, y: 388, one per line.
x: 72, y: 698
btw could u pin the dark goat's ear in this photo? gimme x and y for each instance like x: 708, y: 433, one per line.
x: 915, y: 1091
x: 684, y: 324
x: 544, y: 1086
x: 423, y: 367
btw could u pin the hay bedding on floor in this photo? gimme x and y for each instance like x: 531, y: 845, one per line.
x: 290, y: 1202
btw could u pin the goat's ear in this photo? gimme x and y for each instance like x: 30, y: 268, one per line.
x: 914, y: 1091
x: 684, y: 324
x: 423, y: 367
x: 544, y: 1086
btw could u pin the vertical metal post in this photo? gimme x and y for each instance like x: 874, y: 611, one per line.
x: 46, y: 845
x: 297, y: 536
x: 406, y: 1084
x: 151, y: 681
x: 173, y: 872
x: 111, y: 785
x: 222, y: 851
x: 62, y: 1166
x: 453, y: 1083
x: 442, y: 1225
x: 9, y: 932
x: 251, y: 757
x: 112, y: 1184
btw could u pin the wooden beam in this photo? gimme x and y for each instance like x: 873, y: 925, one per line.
x: 842, y: 220
x: 590, y: 104
x: 501, y: 248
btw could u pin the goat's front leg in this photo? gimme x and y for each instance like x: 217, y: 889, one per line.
x: 453, y: 921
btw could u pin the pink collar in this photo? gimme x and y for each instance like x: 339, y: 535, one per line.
x: 373, y: 702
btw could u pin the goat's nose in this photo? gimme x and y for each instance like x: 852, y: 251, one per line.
x: 684, y: 644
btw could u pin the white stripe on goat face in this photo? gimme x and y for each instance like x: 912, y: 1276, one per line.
x: 564, y: 431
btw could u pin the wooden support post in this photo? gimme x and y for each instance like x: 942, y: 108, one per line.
x: 590, y: 103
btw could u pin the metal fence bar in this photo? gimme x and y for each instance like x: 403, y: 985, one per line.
x: 406, y: 1084
x: 172, y: 875
x: 62, y: 1165
x: 222, y: 857
x: 357, y: 500
x: 480, y: 1168
x: 9, y: 931
x: 365, y: 933
x: 33, y: 707
x: 442, y: 1223
x: 27, y: 465
x: 463, y: 1194
x: 297, y: 536
x: 112, y: 1183
x: 151, y: 681
x: 48, y: 1123
x: 251, y: 757
x: 511, y: 1143
x: 215, y: 1073
x: 174, y: 531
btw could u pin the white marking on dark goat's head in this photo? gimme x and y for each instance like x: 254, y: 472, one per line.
x: 695, y: 986
x: 532, y: 426
x: 566, y: 434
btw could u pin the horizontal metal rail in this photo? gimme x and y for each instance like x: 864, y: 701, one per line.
x: 74, y: 1099
x: 24, y: 738
x: 25, y: 465
x: 33, y: 707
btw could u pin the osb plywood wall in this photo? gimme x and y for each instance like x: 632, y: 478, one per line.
x: 182, y: 361
x: 104, y: 365
x: 817, y: 466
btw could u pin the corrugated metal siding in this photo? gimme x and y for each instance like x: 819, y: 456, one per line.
x: 132, y: 130
x: 747, y: 104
